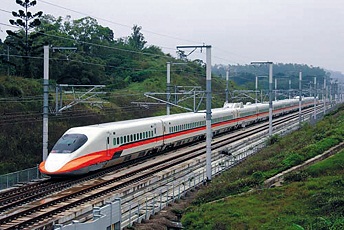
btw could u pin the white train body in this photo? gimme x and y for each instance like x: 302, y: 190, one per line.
x: 89, y: 148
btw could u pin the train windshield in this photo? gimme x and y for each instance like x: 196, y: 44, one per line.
x: 69, y: 143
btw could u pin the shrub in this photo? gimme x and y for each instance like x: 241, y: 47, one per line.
x: 2, y: 90
x: 273, y: 139
x: 258, y: 176
x: 292, y: 160
x: 296, y: 176
x: 15, y: 91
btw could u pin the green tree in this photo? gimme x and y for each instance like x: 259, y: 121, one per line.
x: 137, y: 40
x: 23, y: 41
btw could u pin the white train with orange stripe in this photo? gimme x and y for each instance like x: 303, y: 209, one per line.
x: 89, y: 148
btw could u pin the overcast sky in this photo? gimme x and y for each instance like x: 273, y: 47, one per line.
x: 240, y: 31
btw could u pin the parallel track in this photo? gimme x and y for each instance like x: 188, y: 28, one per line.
x: 26, y: 216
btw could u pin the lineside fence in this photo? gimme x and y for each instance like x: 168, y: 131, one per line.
x: 20, y: 177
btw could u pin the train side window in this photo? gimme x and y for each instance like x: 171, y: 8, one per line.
x: 125, y: 139
x: 151, y: 133
x: 115, y: 141
x: 140, y: 136
x: 131, y: 137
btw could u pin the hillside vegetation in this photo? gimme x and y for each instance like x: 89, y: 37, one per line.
x: 310, y: 199
x: 21, y: 104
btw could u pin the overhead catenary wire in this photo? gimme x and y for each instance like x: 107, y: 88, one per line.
x: 99, y: 45
x: 119, y: 24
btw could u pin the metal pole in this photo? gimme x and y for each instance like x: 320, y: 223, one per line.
x: 300, y: 97
x: 324, y: 96
x: 275, y: 89
x: 194, y: 102
x: 56, y: 99
x: 8, y: 59
x: 168, y: 84
x: 257, y: 89
x: 227, y: 79
x: 208, y: 112
x: 270, y: 99
x: 261, y: 96
x: 315, y: 99
x: 45, y: 103
x: 289, y: 88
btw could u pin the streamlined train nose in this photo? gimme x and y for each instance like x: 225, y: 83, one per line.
x: 56, y: 161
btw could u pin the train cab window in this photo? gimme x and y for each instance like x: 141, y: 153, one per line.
x: 69, y: 143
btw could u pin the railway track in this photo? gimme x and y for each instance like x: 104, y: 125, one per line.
x: 44, y: 210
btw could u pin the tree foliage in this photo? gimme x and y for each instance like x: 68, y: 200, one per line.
x: 137, y: 40
x: 245, y: 74
x: 23, y: 41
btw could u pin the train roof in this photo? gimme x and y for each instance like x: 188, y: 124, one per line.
x: 148, y: 120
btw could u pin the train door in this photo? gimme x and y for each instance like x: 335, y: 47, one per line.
x: 108, y: 144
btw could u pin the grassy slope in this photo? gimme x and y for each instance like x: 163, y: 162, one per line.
x: 313, y: 199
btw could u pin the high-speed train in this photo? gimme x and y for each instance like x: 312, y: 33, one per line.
x: 89, y: 148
